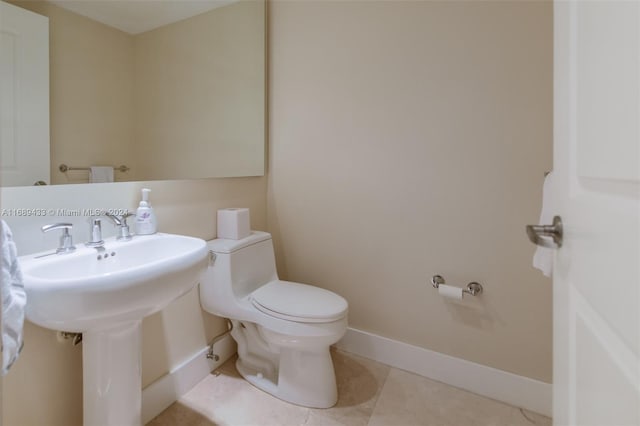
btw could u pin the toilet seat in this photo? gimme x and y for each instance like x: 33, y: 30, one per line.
x: 299, y: 302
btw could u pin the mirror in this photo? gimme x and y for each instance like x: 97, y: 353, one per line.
x: 177, y: 91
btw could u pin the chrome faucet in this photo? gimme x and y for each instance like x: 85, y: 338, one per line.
x: 95, y: 233
x: 121, y: 222
x: 66, y: 239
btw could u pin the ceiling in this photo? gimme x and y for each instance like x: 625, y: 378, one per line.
x: 138, y: 16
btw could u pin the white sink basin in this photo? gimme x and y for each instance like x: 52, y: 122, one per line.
x: 79, y: 292
x: 105, y: 295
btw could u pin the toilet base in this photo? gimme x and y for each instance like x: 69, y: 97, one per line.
x: 305, y: 378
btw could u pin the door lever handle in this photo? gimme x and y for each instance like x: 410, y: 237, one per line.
x: 540, y: 234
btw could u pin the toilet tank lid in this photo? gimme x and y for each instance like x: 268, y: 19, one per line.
x: 222, y: 245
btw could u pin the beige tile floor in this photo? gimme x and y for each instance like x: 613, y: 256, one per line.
x: 370, y: 393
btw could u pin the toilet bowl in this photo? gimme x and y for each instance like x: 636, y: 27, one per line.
x: 283, y: 329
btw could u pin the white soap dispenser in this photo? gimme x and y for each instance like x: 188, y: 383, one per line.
x: 146, y: 223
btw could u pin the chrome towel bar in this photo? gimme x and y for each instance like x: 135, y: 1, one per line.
x: 64, y: 168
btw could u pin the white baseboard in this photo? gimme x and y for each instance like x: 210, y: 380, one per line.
x: 500, y: 385
x: 167, y: 389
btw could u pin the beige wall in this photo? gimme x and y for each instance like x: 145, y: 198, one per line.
x: 200, y: 95
x: 91, y: 93
x: 409, y: 139
x: 45, y: 386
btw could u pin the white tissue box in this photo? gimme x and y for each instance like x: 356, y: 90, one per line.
x: 234, y: 224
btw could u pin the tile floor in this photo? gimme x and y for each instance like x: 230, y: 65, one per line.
x: 370, y: 393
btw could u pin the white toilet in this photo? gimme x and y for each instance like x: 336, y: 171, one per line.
x: 283, y: 329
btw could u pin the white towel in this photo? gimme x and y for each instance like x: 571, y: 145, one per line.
x: 98, y: 174
x: 543, y: 257
x: 14, y: 300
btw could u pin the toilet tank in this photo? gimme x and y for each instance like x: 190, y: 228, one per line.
x: 242, y: 266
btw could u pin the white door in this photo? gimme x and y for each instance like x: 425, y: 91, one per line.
x: 597, y: 166
x: 24, y: 97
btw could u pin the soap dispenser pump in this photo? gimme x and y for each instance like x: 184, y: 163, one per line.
x: 146, y: 223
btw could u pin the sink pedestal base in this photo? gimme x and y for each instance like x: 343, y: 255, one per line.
x: 112, y: 375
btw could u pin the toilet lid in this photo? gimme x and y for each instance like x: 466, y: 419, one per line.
x: 299, y: 302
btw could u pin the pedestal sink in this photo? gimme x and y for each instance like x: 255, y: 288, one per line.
x: 104, y: 295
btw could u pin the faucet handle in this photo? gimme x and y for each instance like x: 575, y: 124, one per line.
x: 125, y: 216
x: 121, y: 222
x: 66, y: 239
x: 54, y: 226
